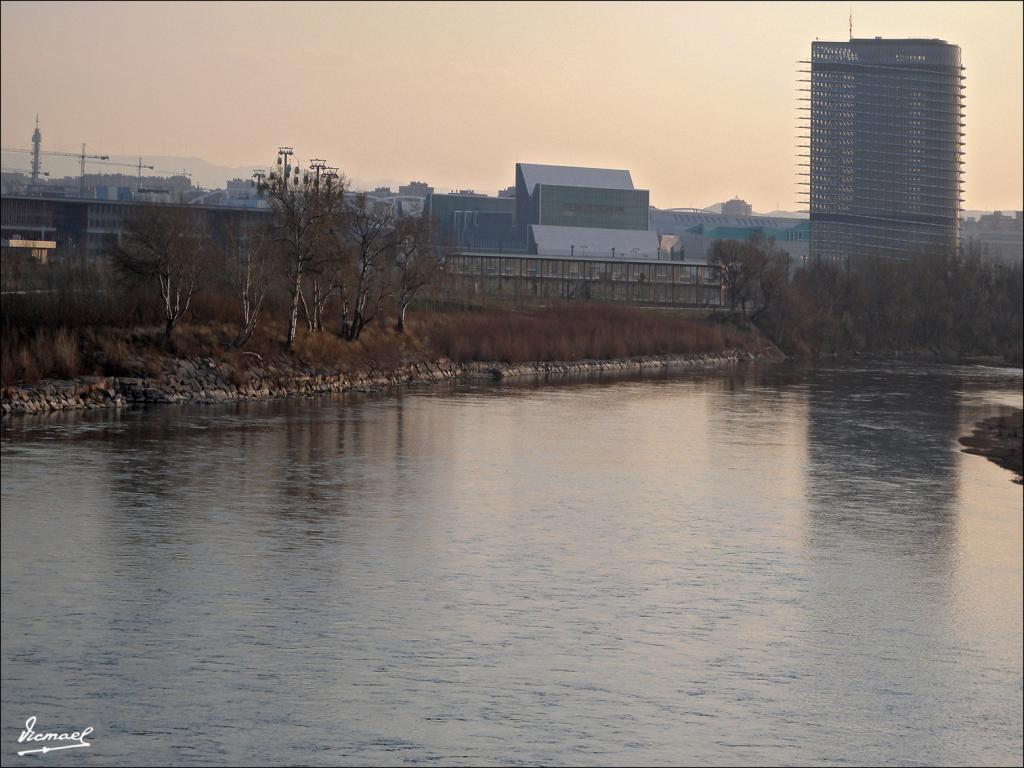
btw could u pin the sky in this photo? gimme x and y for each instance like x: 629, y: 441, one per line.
x: 698, y: 100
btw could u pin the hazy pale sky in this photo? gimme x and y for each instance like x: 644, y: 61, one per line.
x: 698, y: 100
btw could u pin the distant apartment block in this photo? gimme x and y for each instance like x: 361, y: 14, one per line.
x: 885, y: 147
x: 736, y: 207
x: 995, y: 235
x: 415, y: 188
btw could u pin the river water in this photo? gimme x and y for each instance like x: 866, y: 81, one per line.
x: 749, y: 566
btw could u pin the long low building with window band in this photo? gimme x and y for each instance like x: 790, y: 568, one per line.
x: 624, y: 281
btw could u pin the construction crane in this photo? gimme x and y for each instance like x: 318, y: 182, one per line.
x: 99, y: 159
x: 139, y: 166
x: 81, y: 156
x: 138, y: 186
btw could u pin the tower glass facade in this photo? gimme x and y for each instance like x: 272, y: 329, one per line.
x: 885, y: 140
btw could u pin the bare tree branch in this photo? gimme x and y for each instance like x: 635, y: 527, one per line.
x: 169, y: 246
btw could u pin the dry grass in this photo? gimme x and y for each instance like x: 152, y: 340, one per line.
x: 46, y: 353
x: 573, y: 332
x: 379, y: 349
x: 321, y: 351
x: 107, y: 351
x: 200, y: 339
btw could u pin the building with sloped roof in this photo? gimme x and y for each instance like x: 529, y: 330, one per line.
x: 533, y: 174
x: 569, y: 196
x: 556, y: 210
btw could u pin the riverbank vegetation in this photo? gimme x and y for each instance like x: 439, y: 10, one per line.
x: 943, y: 305
x: 120, y: 332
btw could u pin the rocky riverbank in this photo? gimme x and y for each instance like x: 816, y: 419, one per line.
x: 207, y: 380
x: 1000, y: 439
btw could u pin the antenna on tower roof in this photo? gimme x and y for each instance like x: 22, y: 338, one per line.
x: 851, y: 22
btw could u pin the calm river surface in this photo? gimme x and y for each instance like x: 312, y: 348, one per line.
x: 778, y: 565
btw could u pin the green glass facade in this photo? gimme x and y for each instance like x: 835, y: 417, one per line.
x: 475, y: 221
x: 593, y: 207
x: 443, y: 207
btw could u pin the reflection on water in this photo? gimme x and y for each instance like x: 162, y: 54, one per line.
x: 774, y: 565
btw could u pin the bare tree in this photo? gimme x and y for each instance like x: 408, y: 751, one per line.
x: 732, y: 259
x: 305, y: 206
x: 321, y: 284
x: 765, y: 264
x: 418, y: 261
x: 247, y: 249
x: 167, y: 246
x: 364, y: 281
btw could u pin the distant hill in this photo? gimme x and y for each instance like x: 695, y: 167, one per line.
x: 785, y: 214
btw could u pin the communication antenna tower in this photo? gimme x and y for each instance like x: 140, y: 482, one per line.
x: 37, y: 140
